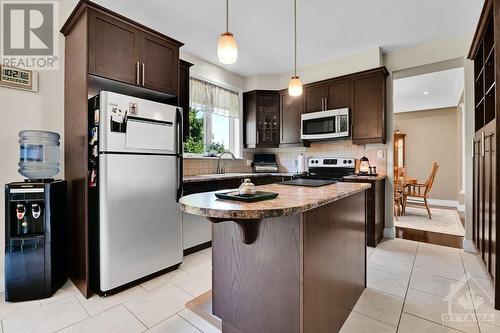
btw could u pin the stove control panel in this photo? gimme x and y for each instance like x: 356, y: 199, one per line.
x: 332, y: 162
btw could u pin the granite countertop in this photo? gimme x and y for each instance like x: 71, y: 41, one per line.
x: 366, y: 177
x: 211, y: 177
x: 291, y: 200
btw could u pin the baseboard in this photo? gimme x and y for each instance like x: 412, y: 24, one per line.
x: 469, y: 246
x: 197, y: 248
x: 443, y: 202
x: 389, y: 232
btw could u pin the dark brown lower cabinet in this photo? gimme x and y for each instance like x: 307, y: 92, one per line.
x: 375, y: 210
x: 484, y: 201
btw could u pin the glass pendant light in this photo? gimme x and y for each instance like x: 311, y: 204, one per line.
x: 295, y: 85
x: 227, y: 49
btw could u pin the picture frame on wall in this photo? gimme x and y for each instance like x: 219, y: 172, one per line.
x: 16, y: 78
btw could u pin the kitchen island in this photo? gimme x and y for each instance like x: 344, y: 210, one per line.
x: 293, y: 264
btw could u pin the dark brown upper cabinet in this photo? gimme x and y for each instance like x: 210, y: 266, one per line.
x: 183, y: 100
x: 113, y: 48
x: 159, y: 64
x: 261, y: 116
x: 291, y: 108
x: 368, y: 116
x: 127, y: 52
x: 315, y: 97
x: 328, y: 95
x: 339, y: 94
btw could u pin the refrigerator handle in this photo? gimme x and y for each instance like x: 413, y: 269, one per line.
x: 180, y: 151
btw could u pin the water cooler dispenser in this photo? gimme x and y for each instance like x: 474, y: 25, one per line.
x: 35, y: 222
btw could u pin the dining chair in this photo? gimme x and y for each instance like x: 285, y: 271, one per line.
x: 420, y: 191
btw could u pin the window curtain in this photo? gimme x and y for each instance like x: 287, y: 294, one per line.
x: 208, y: 97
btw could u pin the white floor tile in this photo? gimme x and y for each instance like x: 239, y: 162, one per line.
x: 174, y: 324
x: 96, y: 304
x: 436, y: 309
x: 369, y: 251
x: 67, y: 290
x: 441, y: 253
x: 158, y: 304
x: 473, y: 265
x: 115, y: 320
x: 381, y: 306
x: 488, y: 328
x: 198, y: 322
x: 208, y: 252
x: 483, y: 297
x: 163, y: 279
x: 391, y: 265
x: 11, y: 309
x: 46, y: 319
x: 387, y: 282
x: 432, y: 284
x: 439, y: 267
x: 195, y: 261
x: 397, y: 249
x: 197, y: 282
x: 412, y: 324
x: 358, y: 323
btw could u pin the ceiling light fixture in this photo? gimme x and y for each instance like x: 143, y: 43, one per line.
x: 295, y: 85
x: 426, y: 93
x: 227, y: 49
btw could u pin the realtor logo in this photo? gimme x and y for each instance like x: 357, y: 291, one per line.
x: 29, y: 34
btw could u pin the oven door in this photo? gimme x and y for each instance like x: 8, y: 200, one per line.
x: 325, y: 125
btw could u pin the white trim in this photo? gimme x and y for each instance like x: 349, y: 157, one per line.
x: 443, y: 202
x: 389, y: 232
x: 469, y: 246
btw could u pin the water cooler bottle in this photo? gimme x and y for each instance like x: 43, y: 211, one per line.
x: 35, y: 221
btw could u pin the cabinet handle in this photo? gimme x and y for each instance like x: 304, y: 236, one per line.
x: 326, y: 103
x: 473, y: 144
x: 143, y: 73
x: 137, y: 74
x: 482, y: 144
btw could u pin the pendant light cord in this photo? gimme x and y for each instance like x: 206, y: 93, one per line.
x: 295, y: 39
x: 227, y: 15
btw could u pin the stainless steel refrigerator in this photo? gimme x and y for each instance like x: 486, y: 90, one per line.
x: 135, y: 181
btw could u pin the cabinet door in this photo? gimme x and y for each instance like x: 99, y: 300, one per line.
x: 315, y: 97
x: 183, y: 99
x: 268, y: 120
x: 476, y: 196
x: 339, y: 94
x: 487, y: 201
x: 368, y: 108
x: 250, y: 119
x: 113, y: 48
x: 291, y: 109
x: 493, y: 201
x: 159, y: 64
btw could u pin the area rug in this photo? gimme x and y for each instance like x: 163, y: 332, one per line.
x: 445, y: 221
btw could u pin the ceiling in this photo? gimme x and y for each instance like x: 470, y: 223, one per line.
x: 429, y: 91
x: 327, y: 29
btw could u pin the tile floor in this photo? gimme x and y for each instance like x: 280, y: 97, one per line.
x: 409, y: 286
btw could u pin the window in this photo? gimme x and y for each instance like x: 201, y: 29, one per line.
x: 214, y: 119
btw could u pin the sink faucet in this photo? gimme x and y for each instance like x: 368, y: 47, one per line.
x: 219, y: 169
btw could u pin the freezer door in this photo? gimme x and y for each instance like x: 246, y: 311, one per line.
x: 134, y: 125
x: 140, y: 228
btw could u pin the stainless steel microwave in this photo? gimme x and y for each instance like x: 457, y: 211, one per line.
x: 325, y: 125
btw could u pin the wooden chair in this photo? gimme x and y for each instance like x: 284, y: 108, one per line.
x: 421, y: 191
x: 399, y: 175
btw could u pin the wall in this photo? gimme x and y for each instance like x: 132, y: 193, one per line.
x: 19, y: 110
x: 431, y: 136
x: 424, y: 54
x: 353, y: 63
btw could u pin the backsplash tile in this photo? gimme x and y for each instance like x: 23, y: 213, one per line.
x: 287, y: 158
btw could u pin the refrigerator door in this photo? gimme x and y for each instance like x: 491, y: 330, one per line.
x: 133, y: 125
x: 140, y: 229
